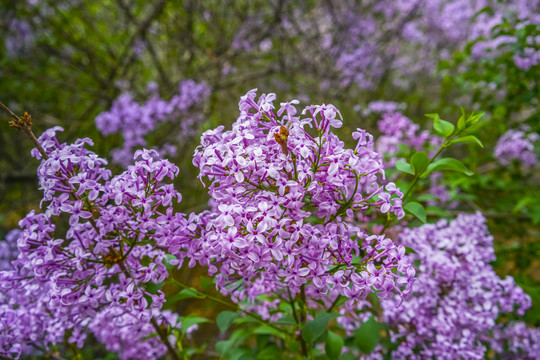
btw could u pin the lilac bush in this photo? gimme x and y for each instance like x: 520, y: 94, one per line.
x: 281, y: 197
x: 292, y: 238
x: 94, y: 275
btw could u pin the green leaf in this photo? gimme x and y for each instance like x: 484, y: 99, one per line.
x: 187, y: 322
x: 314, y: 329
x: 366, y: 337
x: 270, y: 352
x: 426, y: 197
x: 474, y: 118
x: 419, y: 162
x: 443, y: 127
x: 403, y: 148
x: 333, y: 345
x: 417, y: 210
x: 469, y: 139
x: 267, y: 330
x: 225, y: 319
x: 184, y: 294
x: 447, y: 164
x: 461, y: 120
x: 404, y: 167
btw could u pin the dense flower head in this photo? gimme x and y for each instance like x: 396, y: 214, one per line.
x: 517, y: 145
x: 136, y: 120
x: 457, y: 296
x: 94, y: 275
x: 282, y: 184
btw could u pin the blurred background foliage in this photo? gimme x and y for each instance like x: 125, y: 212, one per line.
x: 66, y: 62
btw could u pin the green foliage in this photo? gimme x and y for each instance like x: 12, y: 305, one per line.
x: 313, y: 331
x: 417, y: 210
x: 333, y: 345
x: 367, y: 336
x: 225, y: 319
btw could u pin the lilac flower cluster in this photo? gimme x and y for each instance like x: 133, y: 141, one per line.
x: 397, y: 129
x: 517, y: 145
x: 95, y: 275
x: 457, y: 296
x: 282, y: 185
x: 134, y: 121
x: 18, y: 38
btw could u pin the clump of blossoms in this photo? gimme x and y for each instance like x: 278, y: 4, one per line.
x: 93, y: 276
x: 282, y: 184
x: 135, y: 121
x: 398, y: 129
x: 517, y: 145
x: 457, y: 297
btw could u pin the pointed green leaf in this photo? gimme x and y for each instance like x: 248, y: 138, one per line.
x: 417, y: 210
x: 404, y: 167
x: 314, y: 329
x: 366, y: 337
x: 268, y: 330
x: 469, y: 139
x: 188, y: 322
x: 184, y: 294
x: 461, y: 120
x: 271, y: 352
x: 447, y: 164
x: 333, y: 345
x: 419, y: 162
x: 443, y: 127
x: 225, y: 319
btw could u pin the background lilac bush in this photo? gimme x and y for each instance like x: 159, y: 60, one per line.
x: 362, y: 229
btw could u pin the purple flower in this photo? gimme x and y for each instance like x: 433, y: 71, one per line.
x: 517, y: 145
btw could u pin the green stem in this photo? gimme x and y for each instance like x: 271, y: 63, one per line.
x: 445, y: 144
x: 232, y: 306
x: 291, y: 301
x: 334, y: 303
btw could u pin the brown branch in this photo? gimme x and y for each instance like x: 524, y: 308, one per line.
x: 163, y: 336
x: 24, y: 124
x: 148, y: 44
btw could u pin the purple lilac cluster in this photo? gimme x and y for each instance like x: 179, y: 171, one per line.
x: 282, y: 185
x: 517, y: 145
x: 136, y: 120
x: 457, y: 297
x: 19, y: 37
x: 93, y: 276
x: 397, y: 129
